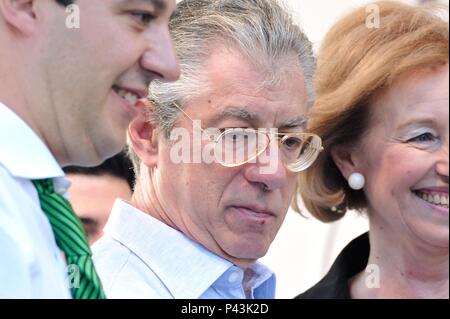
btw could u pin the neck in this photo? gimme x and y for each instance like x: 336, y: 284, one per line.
x: 26, y: 111
x: 14, y: 95
x: 20, y: 90
x: 406, y: 268
x: 146, y: 197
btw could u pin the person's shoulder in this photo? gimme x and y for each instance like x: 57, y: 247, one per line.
x: 15, y: 242
x: 6, y: 180
x: 109, y: 253
x: 15, y: 191
x: 330, y: 287
x: 17, y: 202
x: 123, y: 274
x: 114, y: 260
x: 110, y: 258
x: 352, y: 260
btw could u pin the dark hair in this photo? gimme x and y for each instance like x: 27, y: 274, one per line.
x: 119, y: 166
x: 65, y: 2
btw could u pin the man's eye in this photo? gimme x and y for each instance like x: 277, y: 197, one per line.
x: 423, y: 138
x: 236, y: 130
x: 292, y: 143
x: 144, y: 18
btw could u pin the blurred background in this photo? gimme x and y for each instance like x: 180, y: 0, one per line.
x: 317, y: 16
x: 304, y: 249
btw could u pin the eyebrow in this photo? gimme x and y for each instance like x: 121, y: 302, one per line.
x: 299, y: 121
x: 237, y: 112
x: 242, y: 113
x: 417, y: 121
x: 159, y: 5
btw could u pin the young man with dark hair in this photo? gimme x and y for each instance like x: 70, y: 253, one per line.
x: 67, y: 96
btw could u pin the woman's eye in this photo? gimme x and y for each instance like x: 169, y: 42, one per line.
x: 423, y: 138
x: 144, y: 18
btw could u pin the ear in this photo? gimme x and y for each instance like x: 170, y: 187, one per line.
x: 143, y: 136
x: 19, y: 15
x: 346, y: 160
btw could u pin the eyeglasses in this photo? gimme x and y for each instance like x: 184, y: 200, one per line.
x: 237, y: 146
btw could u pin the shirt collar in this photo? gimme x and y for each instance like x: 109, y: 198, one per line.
x: 24, y: 155
x: 259, y: 281
x: 186, y: 268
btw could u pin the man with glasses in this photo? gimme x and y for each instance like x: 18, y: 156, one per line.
x: 216, y: 160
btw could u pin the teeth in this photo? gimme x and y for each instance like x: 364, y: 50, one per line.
x: 130, y: 97
x: 436, y: 199
x: 431, y: 199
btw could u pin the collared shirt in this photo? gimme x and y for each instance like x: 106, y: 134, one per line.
x: 31, y: 265
x: 351, y: 261
x: 141, y: 257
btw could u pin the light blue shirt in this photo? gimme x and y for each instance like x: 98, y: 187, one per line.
x: 31, y: 264
x: 141, y: 257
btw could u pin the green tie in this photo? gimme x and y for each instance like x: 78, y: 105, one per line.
x: 71, y: 239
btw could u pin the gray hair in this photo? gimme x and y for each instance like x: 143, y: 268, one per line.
x: 261, y: 30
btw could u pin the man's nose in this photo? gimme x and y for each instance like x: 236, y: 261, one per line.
x: 269, y: 169
x: 160, y: 57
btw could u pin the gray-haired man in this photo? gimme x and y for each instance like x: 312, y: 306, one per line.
x: 203, y: 212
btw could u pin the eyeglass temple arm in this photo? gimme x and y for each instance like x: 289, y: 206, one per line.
x: 203, y: 131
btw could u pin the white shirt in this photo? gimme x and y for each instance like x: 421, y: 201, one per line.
x: 141, y: 257
x: 31, y: 265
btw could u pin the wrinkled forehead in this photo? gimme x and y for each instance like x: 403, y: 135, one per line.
x: 237, y: 88
x: 227, y: 62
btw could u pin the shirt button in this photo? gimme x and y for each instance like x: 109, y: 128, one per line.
x: 61, y: 185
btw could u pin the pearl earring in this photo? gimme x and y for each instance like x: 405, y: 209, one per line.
x: 334, y: 209
x: 356, y: 181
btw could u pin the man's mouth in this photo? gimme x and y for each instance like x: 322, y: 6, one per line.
x: 255, y: 211
x: 130, y: 97
x: 434, y: 198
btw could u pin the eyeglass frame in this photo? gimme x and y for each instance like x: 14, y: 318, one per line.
x: 269, y: 136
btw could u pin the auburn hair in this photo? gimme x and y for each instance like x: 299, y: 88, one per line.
x: 356, y: 61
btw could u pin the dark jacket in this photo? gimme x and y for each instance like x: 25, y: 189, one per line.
x: 351, y: 261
